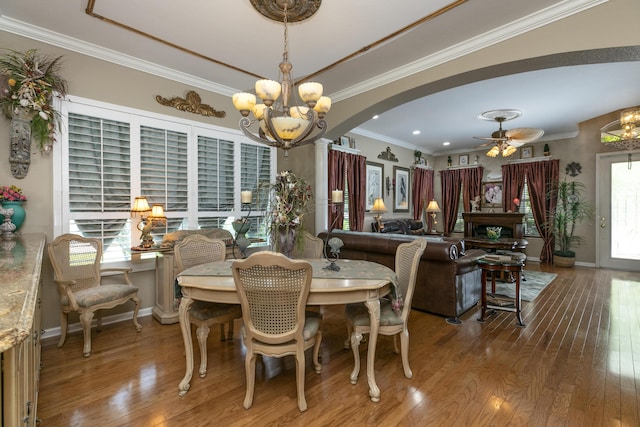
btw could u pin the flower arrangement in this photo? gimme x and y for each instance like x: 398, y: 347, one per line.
x: 289, y: 196
x: 12, y: 194
x: 288, y: 199
x: 28, y: 81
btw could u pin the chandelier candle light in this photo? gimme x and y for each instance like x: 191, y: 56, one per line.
x: 282, y: 125
x: 337, y: 200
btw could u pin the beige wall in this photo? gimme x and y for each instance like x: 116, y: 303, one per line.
x: 95, y: 79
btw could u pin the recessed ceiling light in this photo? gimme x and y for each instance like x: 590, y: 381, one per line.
x: 416, y: 132
x: 375, y: 117
x: 446, y: 143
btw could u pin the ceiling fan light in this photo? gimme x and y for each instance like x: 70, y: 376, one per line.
x: 494, y: 151
x: 508, y: 150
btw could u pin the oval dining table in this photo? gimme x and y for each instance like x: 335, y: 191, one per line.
x: 356, y: 282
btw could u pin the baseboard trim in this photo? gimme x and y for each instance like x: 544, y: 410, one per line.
x: 107, y: 320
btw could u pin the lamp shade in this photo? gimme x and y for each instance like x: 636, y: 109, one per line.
x: 433, y: 206
x: 157, y: 212
x: 140, y: 205
x: 378, y: 205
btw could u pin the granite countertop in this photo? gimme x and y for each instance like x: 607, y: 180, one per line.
x: 20, y: 266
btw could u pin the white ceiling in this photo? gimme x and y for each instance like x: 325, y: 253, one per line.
x: 191, y: 40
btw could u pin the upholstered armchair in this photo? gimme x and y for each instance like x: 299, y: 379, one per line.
x: 76, y: 266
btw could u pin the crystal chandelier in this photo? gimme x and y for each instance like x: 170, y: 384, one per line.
x: 624, y: 133
x: 283, y: 125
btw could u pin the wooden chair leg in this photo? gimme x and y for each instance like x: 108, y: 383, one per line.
x: 404, y: 347
x: 64, y: 319
x: 137, y: 324
x: 316, y: 353
x: 202, y: 332
x: 300, y: 364
x: 250, y: 372
x: 86, y: 317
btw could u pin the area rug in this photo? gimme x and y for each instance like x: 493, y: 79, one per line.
x: 529, y: 289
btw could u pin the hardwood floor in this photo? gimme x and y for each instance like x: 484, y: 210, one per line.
x: 577, y: 362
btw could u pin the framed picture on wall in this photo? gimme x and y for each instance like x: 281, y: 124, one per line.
x: 375, y: 176
x: 463, y: 160
x: 492, y: 194
x: 526, y: 152
x: 344, y: 141
x: 401, y: 189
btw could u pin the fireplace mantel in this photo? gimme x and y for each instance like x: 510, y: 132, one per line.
x: 508, y: 220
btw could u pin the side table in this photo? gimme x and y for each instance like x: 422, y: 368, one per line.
x: 513, y: 267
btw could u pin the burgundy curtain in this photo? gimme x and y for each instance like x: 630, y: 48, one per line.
x: 539, y: 176
x: 357, y: 181
x: 336, y: 164
x: 422, y: 192
x: 450, y: 183
x: 512, y: 184
x: 471, y: 179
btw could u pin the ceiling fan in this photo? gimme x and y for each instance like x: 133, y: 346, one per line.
x: 507, y: 141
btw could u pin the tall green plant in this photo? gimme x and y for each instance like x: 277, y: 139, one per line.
x: 571, y: 208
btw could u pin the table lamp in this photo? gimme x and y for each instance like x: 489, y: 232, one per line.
x: 378, y: 208
x: 146, y: 225
x: 432, y: 208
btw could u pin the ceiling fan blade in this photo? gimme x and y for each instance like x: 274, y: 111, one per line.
x: 491, y: 138
x: 523, y: 135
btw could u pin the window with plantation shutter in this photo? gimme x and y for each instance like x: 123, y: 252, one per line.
x: 111, y: 154
x: 255, y: 161
x: 163, y: 167
x: 215, y: 174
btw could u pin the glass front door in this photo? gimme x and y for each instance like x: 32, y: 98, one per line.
x: 618, y: 210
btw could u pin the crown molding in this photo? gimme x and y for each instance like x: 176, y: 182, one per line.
x: 520, y: 26
x: 76, y: 45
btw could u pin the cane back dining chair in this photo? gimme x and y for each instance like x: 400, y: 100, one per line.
x: 273, y: 292
x: 310, y: 248
x: 392, y: 322
x: 193, y: 250
x: 76, y: 266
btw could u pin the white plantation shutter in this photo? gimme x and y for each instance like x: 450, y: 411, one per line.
x: 215, y: 174
x: 255, y: 162
x: 99, y: 164
x: 113, y: 154
x: 163, y: 167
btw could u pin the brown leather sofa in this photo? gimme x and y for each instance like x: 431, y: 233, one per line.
x: 448, y: 282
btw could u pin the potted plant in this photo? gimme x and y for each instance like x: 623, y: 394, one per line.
x: 571, y: 208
